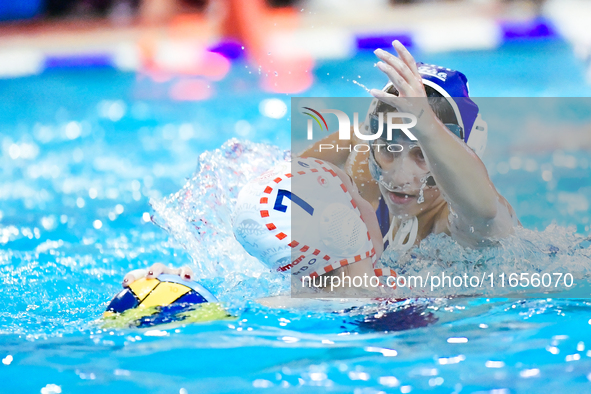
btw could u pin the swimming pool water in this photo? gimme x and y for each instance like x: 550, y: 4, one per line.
x: 84, y: 151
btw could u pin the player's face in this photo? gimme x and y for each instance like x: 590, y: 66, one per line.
x: 404, y: 174
x: 367, y: 212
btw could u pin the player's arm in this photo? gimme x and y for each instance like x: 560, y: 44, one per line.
x: 458, y: 172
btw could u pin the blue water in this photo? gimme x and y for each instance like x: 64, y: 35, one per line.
x: 84, y: 152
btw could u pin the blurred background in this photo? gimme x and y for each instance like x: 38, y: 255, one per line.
x: 287, y: 38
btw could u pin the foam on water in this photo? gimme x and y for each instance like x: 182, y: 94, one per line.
x: 554, y: 250
x: 199, y: 217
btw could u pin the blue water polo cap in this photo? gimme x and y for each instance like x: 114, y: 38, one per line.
x: 453, y: 85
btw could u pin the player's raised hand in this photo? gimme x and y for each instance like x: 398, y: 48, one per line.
x: 403, y: 73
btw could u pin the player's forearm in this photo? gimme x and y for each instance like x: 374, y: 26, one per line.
x: 458, y: 172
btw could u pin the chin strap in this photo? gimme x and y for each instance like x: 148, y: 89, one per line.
x: 408, y: 228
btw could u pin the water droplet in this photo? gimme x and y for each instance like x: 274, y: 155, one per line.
x: 359, y: 84
x: 242, y: 47
x: 471, y: 229
x: 421, y: 198
x: 276, y: 74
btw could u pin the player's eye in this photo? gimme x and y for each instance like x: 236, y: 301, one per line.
x: 418, y: 152
x: 381, y: 151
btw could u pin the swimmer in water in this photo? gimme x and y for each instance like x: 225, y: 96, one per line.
x: 436, y: 184
x: 305, y: 218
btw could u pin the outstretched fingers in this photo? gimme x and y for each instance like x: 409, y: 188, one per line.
x: 408, y: 59
x: 186, y: 273
x: 397, y: 80
x: 133, y: 276
x: 397, y: 102
x: 156, y: 270
x: 398, y: 72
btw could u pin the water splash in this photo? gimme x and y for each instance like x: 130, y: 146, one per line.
x: 199, y: 216
x: 362, y: 85
x: 421, y: 198
x: 556, y: 249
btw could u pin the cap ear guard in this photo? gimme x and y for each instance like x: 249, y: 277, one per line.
x: 478, y: 136
x: 343, y: 231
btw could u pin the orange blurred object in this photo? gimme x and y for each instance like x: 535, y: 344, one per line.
x: 264, y: 31
x: 188, y: 57
x: 191, y: 25
x: 288, y: 75
x: 253, y: 23
x: 182, y: 50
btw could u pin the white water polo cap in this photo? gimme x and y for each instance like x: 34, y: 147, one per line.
x: 300, y: 216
